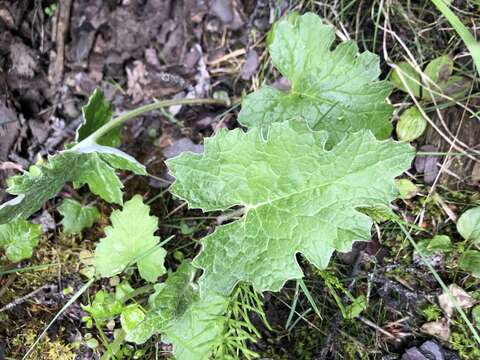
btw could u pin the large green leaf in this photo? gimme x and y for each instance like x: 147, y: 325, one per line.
x: 96, y: 113
x: 298, y: 197
x: 130, y: 240
x: 77, y: 217
x: 18, y: 238
x: 193, y: 324
x: 94, y: 166
x: 335, y: 90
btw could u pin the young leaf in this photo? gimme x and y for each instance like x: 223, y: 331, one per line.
x: 468, y: 225
x: 130, y: 240
x: 94, y: 165
x: 406, y: 189
x: 105, y: 306
x: 77, y: 217
x: 298, y: 198
x: 334, y: 90
x: 411, y: 125
x: 470, y: 261
x: 18, y: 238
x: 409, y: 75
x: 96, y: 113
x: 439, y: 243
x: 439, y: 69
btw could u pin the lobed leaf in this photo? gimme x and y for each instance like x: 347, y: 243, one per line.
x: 334, y: 90
x: 130, y: 240
x: 77, y: 217
x: 93, y: 166
x: 298, y: 198
x: 18, y: 238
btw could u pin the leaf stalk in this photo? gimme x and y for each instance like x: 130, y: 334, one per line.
x: 120, y: 120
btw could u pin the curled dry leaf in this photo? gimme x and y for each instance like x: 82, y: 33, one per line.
x: 439, y: 328
x: 463, y: 299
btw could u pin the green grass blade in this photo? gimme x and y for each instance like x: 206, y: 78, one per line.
x: 472, y: 44
x: 62, y: 310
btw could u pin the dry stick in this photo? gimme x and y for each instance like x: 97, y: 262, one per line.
x: 55, y: 71
x: 24, y: 298
x: 376, y: 327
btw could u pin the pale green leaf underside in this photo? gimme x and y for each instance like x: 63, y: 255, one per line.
x: 298, y: 198
x: 335, y: 90
x: 196, y: 334
x: 191, y: 323
x: 77, y: 217
x: 93, y: 165
x: 130, y: 240
x: 18, y: 238
x: 97, y: 113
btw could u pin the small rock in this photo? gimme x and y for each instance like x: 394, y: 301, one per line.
x: 181, y: 145
x: 414, y: 354
x: 427, y: 164
x: 251, y: 64
x: 429, y: 350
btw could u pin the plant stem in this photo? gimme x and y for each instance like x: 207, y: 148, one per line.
x: 92, y: 138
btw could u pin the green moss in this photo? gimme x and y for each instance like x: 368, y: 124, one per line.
x: 46, y: 349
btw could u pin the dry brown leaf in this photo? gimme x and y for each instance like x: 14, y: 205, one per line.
x: 463, y: 299
x: 440, y: 329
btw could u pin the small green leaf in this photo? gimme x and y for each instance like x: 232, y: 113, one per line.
x: 93, y: 165
x: 298, y: 198
x: 438, y: 243
x: 356, y: 307
x: 122, y: 291
x: 96, y: 113
x: 406, y: 188
x: 439, y: 70
x: 470, y: 261
x: 411, y: 125
x: 130, y: 240
x: 77, y: 217
x: 468, y: 225
x: 335, y: 90
x: 410, y: 77
x: 104, y: 306
x: 18, y: 238
x: 456, y: 86
x: 131, y: 319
